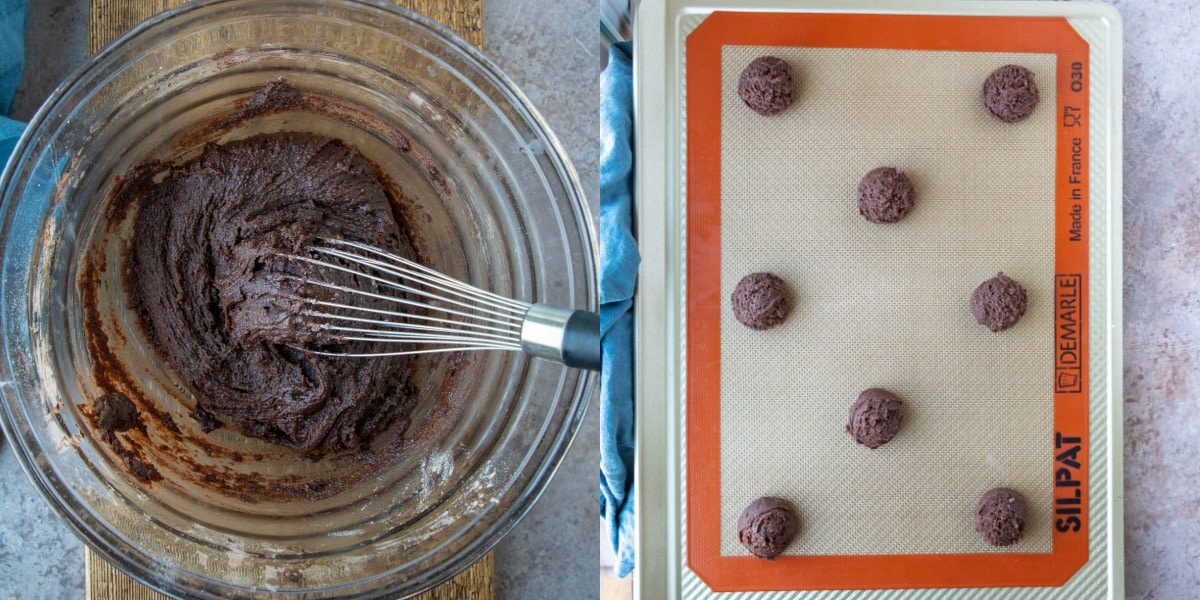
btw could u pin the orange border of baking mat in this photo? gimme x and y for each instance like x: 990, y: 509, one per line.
x: 1046, y: 35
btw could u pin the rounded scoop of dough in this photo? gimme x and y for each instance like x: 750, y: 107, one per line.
x: 1000, y: 516
x: 1010, y: 93
x: 999, y: 302
x: 766, y: 85
x: 760, y: 301
x: 875, y: 418
x: 886, y: 195
x: 767, y: 526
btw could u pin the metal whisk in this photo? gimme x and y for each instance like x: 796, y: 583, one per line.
x: 469, y: 319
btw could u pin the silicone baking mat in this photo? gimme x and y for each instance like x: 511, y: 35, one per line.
x: 887, y: 305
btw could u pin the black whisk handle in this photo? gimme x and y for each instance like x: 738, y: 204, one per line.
x: 581, y: 341
x: 571, y: 337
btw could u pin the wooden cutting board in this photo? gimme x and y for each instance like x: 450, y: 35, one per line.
x: 108, y: 19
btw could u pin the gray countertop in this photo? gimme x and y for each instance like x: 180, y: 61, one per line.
x: 1162, y: 298
x: 550, y: 48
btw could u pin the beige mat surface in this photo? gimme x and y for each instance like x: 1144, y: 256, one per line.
x: 887, y: 305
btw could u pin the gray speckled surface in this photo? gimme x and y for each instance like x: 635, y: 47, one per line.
x: 1162, y: 298
x: 550, y: 49
x: 33, y: 542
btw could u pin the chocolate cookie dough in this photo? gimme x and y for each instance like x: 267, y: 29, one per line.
x: 766, y: 85
x: 760, y: 301
x: 207, y: 421
x: 885, y: 195
x: 767, y: 526
x: 1000, y: 516
x: 212, y: 291
x: 999, y: 302
x: 1010, y: 93
x: 115, y: 412
x: 875, y: 418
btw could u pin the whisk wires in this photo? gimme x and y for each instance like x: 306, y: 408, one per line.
x: 470, y: 318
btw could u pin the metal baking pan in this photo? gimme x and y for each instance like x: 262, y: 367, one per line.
x: 1080, y: 552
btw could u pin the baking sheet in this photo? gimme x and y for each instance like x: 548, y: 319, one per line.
x: 662, y: 107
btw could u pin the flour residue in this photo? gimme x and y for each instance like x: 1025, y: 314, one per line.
x: 435, y: 469
x: 236, y: 556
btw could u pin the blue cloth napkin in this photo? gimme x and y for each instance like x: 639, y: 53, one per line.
x: 619, y: 261
x: 12, y: 60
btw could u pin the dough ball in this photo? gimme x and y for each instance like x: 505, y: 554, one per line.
x: 885, y: 195
x: 1000, y: 516
x: 766, y: 85
x: 1010, y: 93
x: 760, y: 301
x: 767, y: 526
x: 875, y: 418
x: 999, y: 302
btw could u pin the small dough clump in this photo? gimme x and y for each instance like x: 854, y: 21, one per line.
x: 767, y: 526
x: 1000, y: 516
x: 875, y: 418
x: 760, y: 301
x: 115, y: 412
x: 766, y: 85
x: 886, y: 195
x: 999, y: 302
x: 1010, y: 93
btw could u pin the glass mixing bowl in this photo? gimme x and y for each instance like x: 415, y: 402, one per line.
x: 490, y: 198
